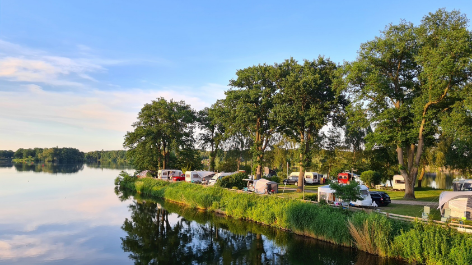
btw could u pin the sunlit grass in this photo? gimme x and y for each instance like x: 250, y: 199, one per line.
x: 421, y: 194
x: 410, y: 210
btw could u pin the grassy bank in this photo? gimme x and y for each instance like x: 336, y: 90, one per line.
x: 373, y: 233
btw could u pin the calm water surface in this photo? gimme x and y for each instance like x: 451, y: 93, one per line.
x: 70, y: 214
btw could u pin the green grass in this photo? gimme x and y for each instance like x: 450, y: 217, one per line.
x: 421, y: 194
x: 374, y: 233
x: 410, y: 210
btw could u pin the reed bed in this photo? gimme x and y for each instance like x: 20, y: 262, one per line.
x: 373, y: 233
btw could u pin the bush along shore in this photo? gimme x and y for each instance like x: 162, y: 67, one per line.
x: 373, y: 233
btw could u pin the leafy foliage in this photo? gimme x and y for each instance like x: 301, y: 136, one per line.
x: 347, y: 192
x: 370, y: 178
x: 234, y: 180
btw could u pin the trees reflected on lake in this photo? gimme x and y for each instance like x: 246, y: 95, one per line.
x: 171, y: 234
x: 56, y: 168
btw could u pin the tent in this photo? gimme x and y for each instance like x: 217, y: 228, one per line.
x: 458, y: 202
x: 262, y: 186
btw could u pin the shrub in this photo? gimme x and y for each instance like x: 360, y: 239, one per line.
x: 235, y: 180
x: 371, y: 178
x: 274, y: 178
x: 347, y: 193
x: 312, y: 197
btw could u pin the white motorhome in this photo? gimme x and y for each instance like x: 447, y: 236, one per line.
x: 398, y: 182
x: 310, y: 177
x: 217, y: 176
x: 197, y: 176
x: 168, y: 174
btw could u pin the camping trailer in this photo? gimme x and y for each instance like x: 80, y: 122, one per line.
x: 198, y: 176
x: 310, y: 177
x: 367, y: 200
x: 167, y: 174
x: 217, y: 176
x: 398, y: 182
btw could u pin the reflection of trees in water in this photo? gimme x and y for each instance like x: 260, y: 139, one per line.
x: 193, y: 237
x: 438, y: 180
x: 49, y: 167
x: 109, y: 165
x: 6, y: 163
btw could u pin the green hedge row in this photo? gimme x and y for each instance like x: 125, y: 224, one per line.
x: 373, y: 233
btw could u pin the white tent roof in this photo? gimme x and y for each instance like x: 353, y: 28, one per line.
x: 449, y: 195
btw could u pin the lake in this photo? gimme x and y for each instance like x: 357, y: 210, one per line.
x: 71, y: 214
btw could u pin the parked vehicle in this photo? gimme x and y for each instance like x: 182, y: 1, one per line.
x: 310, y: 177
x: 462, y: 185
x: 344, y: 178
x: 168, y: 174
x: 398, y: 182
x: 380, y: 198
x: 290, y: 180
x: 179, y: 178
x: 198, y: 176
x: 218, y: 176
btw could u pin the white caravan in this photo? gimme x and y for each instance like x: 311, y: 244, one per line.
x: 310, y: 177
x: 398, y: 182
x: 215, y: 178
x: 197, y: 176
x: 168, y: 174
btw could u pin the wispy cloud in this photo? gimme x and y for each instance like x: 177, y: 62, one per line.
x: 22, y: 64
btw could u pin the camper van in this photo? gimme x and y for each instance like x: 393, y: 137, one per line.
x: 167, y: 174
x: 398, y: 182
x: 462, y: 185
x: 262, y: 186
x: 198, y: 176
x: 345, y: 178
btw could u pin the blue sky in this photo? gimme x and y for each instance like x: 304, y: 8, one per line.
x: 76, y: 73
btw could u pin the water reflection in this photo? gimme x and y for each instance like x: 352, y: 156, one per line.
x: 438, y: 180
x: 166, y: 233
x: 6, y: 163
x: 49, y: 167
x: 56, y: 168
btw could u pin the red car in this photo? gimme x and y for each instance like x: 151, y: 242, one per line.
x: 179, y: 178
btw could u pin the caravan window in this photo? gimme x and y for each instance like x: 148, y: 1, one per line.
x: 196, y: 176
x: 308, y: 176
x: 164, y: 173
x: 364, y: 193
x: 399, y: 181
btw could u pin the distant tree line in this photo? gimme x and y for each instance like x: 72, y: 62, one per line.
x: 403, y: 105
x: 54, y: 154
x: 106, y: 156
x: 61, y: 155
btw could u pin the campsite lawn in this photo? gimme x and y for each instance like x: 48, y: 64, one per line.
x: 421, y: 194
x: 410, y: 210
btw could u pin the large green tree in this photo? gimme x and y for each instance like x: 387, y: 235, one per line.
x: 408, y: 79
x: 306, y: 101
x: 162, y: 127
x: 249, y: 103
x: 212, y: 128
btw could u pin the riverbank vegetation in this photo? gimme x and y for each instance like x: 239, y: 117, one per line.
x: 62, y: 155
x: 374, y: 233
x: 402, y: 107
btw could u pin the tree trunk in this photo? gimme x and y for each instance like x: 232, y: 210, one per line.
x: 421, y: 177
x: 301, y: 173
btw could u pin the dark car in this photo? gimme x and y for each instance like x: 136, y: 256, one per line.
x: 290, y: 180
x: 380, y: 198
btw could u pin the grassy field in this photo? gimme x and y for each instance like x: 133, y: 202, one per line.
x: 422, y: 194
x: 410, y: 210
